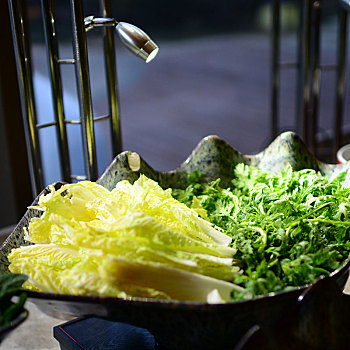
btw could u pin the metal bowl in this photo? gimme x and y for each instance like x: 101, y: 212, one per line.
x: 189, y: 325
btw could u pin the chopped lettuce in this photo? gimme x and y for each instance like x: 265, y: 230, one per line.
x: 288, y: 228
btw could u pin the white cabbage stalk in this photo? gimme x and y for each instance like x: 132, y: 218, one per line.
x: 176, y: 283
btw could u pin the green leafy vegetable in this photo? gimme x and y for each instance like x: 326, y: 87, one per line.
x: 267, y: 233
x: 9, y: 286
x: 288, y: 228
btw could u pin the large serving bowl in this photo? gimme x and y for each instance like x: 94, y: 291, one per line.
x: 189, y: 325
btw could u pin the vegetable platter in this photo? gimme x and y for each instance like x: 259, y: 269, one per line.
x: 262, y: 301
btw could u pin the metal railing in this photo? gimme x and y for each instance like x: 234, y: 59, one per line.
x: 80, y: 61
x: 309, y: 70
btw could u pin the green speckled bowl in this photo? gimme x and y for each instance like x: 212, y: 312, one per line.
x: 189, y: 325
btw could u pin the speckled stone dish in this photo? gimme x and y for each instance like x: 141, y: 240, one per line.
x: 189, y: 325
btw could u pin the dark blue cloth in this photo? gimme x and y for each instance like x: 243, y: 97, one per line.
x: 99, y: 334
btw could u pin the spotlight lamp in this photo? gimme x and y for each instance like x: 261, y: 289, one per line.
x: 133, y: 38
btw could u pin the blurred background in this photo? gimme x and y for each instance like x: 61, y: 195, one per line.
x: 212, y: 76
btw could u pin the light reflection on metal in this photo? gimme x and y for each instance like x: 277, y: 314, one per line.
x: 25, y: 81
x: 309, y: 69
x: 84, y: 89
x: 139, y: 44
x: 137, y: 41
x: 134, y: 39
x: 56, y: 86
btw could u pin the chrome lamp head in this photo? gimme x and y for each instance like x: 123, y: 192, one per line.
x: 134, y: 39
x: 137, y: 41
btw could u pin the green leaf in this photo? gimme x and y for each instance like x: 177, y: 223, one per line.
x: 288, y: 228
x: 10, y: 284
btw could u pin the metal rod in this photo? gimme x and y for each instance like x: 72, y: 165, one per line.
x: 328, y: 67
x: 72, y: 121
x: 275, y: 68
x: 316, y: 74
x: 93, y: 22
x: 304, y: 72
x: 300, y: 76
x: 25, y: 80
x: 102, y: 118
x: 65, y: 61
x: 56, y: 87
x: 46, y: 125
x: 84, y: 89
x: 342, y: 39
x: 111, y: 77
x: 79, y: 177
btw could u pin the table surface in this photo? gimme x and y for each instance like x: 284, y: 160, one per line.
x: 35, y: 333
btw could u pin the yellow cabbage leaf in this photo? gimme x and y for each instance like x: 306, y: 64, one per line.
x: 91, y: 241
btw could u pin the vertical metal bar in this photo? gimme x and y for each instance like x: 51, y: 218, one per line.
x: 304, y: 71
x: 342, y: 39
x: 25, y: 80
x: 84, y: 89
x: 111, y: 77
x: 275, y: 80
x: 14, y: 144
x: 56, y: 87
x: 299, y: 85
x: 316, y: 74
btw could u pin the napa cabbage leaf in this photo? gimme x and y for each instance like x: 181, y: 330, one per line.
x: 87, y: 236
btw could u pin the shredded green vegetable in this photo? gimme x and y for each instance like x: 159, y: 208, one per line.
x: 288, y: 228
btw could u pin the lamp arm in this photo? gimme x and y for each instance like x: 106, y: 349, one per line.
x: 91, y: 22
